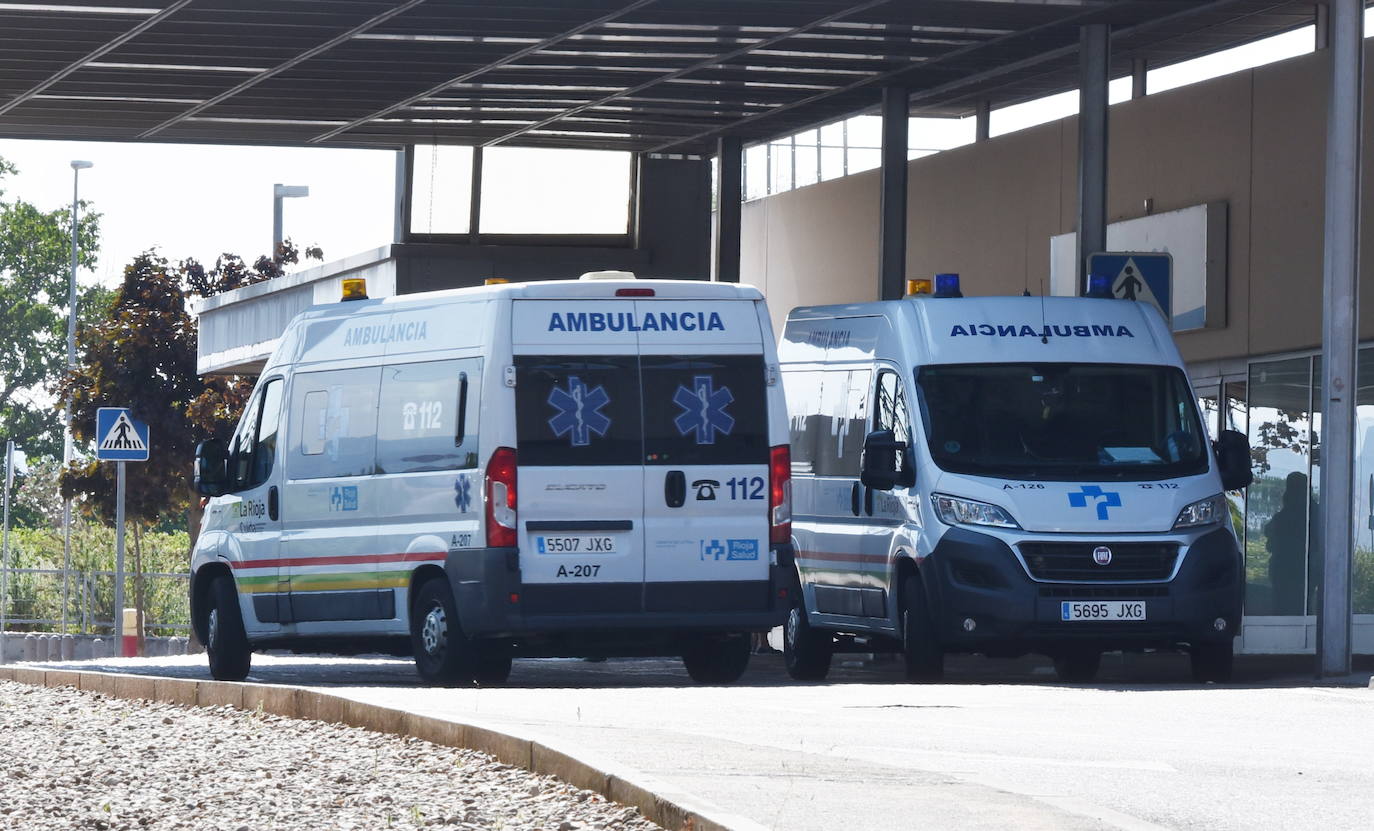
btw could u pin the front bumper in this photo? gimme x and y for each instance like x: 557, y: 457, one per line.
x: 975, y: 576
x: 493, y: 601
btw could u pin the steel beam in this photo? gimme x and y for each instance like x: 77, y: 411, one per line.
x: 1094, y: 52
x: 982, y: 121
x: 1340, y: 322
x: 892, y: 210
x: 729, y: 206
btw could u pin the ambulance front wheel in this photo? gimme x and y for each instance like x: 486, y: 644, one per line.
x: 925, y: 660
x: 226, y: 642
x: 444, y: 656
x: 717, y: 660
x: 806, y: 653
x: 1213, y: 661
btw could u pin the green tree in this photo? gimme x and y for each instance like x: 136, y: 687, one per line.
x: 142, y: 355
x: 35, y: 261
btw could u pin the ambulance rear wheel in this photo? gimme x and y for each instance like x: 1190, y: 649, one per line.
x: 492, y: 664
x: 925, y: 660
x: 1077, y: 666
x: 444, y: 656
x: 226, y: 642
x: 806, y: 653
x: 718, y: 660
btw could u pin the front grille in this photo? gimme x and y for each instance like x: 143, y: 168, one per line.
x: 1074, y: 560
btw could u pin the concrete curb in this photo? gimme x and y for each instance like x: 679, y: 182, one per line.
x: 670, y: 808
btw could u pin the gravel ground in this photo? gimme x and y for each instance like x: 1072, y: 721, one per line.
x: 77, y: 760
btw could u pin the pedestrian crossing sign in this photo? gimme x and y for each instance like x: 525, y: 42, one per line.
x: 1142, y: 277
x: 119, y: 438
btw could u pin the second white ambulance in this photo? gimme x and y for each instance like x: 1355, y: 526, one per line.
x: 1004, y: 475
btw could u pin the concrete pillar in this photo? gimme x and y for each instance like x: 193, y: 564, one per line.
x: 44, y: 648
x: 1094, y: 55
x: 1340, y: 323
x: 729, y: 207
x: 30, y: 652
x: 67, y: 650
x: 982, y: 124
x: 99, y: 650
x: 892, y: 204
x: 83, y: 648
x: 1139, y: 68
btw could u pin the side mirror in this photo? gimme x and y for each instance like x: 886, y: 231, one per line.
x: 1233, y: 460
x: 878, y: 468
x: 212, y: 468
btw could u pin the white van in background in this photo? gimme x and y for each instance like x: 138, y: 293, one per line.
x: 569, y: 468
x: 1004, y: 475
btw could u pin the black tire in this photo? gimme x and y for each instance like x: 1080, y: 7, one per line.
x: 718, y: 660
x: 806, y: 653
x: 925, y: 660
x: 226, y: 642
x: 444, y: 656
x: 492, y: 664
x: 1078, y: 666
x: 1213, y: 661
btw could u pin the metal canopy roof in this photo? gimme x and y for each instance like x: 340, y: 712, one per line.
x: 649, y: 75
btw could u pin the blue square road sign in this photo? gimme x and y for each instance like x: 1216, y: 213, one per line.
x: 118, y: 437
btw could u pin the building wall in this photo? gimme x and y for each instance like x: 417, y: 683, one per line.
x: 1255, y: 139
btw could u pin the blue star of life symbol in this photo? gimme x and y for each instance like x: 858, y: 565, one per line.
x: 1104, y: 499
x: 703, y: 410
x: 579, y: 411
x: 462, y: 496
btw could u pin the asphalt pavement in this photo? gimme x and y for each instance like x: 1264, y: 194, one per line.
x: 1000, y: 744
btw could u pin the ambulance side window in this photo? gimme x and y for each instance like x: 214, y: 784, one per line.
x: 265, y: 445
x: 843, y: 421
x: 428, y: 416
x: 241, y: 446
x: 890, y: 412
x: 334, y: 423
x: 804, y: 420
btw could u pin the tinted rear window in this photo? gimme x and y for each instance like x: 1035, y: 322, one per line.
x: 704, y: 410
x: 577, y: 411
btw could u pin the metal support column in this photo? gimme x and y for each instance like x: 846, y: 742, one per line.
x: 729, y: 203
x: 892, y: 205
x: 1340, y: 322
x: 982, y: 121
x: 475, y: 198
x: 398, y: 208
x: 1094, y: 55
x: 1139, y: 68
x: 1321, y: 17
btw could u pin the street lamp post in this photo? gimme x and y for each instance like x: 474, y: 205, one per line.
x: 77, y: 167
x: 280, y: 192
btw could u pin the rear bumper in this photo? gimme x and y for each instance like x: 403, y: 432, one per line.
x: 977, y: 577
x: 493, y: 601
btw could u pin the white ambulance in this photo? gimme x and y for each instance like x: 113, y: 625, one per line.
x: 570, y: 468
x: 1003, y: 475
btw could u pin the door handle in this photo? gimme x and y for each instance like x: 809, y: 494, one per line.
x: 868, y: 500
x: 273, y: 503
x: 854, y: 498
x: 675, y: 488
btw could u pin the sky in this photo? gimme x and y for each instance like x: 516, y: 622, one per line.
x: 203, y: 200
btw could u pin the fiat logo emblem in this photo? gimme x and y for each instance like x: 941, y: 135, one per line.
x: 1102, y: 555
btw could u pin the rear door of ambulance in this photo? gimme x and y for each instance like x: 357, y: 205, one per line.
x: 706, y: 452
x: 580, y: 472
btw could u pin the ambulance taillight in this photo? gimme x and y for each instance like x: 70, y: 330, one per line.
x: 499, y: 495
x: 780, y: 495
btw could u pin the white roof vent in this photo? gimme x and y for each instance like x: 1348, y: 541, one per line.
x: 608, y: 275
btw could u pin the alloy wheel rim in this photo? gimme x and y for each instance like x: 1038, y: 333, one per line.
x: 434, y: 632
x: 212, y: 629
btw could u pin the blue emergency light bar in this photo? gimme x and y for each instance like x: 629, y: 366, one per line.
x: 1100, y: 285
x: 947, y: 285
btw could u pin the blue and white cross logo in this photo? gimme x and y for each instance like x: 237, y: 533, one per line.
x: 579, y: 411
x: 703, y: 410
x: 462, y: 494
x: 1103, y: 499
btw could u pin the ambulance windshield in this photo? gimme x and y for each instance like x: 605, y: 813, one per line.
x: 1061, y: 421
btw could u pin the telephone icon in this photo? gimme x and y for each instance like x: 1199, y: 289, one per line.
x: 706, y: 489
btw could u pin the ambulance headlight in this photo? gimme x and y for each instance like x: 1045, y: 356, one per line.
x: 1203, y: 512
x: 955, y: 511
